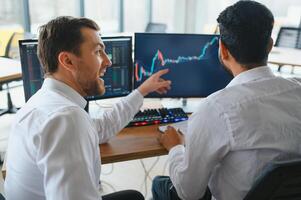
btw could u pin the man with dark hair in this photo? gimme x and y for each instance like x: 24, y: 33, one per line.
x: 238, y: 130
x: 53, y: 150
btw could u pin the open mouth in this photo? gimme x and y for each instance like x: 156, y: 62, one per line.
x: 102, y: 73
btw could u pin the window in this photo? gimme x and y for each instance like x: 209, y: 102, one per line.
x: 105, y: 13
x: 42, y: 11
x: 136, y: 14
x: 10, y: 21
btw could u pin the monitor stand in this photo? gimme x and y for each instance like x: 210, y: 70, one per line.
x: 189, y: 105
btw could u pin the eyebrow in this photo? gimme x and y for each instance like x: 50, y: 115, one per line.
x: 100, y: 44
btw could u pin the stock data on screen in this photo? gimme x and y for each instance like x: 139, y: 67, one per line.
x: 192, y: 60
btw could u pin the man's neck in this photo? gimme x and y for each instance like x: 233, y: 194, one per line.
x: 68, y: 82
x: 239, y: 68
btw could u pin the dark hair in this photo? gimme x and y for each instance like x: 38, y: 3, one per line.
x: 61, y: 34
x: 245, y: 29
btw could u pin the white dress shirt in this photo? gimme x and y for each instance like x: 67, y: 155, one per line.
x: 53, y: 150
x: 234, y: 134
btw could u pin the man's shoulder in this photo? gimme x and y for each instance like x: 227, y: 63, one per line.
x: 40, y: 108
x: 231, y: 98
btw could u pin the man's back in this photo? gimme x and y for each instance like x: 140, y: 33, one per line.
x: 40, y: 131
x: 235, y: 132
x: 263, y: 120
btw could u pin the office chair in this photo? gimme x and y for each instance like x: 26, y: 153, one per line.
x: 12, y: 52
x: 280, y: 180
x: 289, y: 37
x: 155, y: 28
x: 1, y: 197
x: 12, y: 47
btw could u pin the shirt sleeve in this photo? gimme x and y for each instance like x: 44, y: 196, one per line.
x: 112, y: 121
x: 207, y: 142
x: 66, y: 156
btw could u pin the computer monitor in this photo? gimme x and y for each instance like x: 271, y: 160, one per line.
x: 118, y: 77
x: 32, y: 73
x: 192, y: 60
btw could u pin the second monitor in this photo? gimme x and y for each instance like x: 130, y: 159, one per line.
x: 118, y: 78
x: 192, y: 60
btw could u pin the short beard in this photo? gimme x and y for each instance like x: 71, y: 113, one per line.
x: 95, y: 88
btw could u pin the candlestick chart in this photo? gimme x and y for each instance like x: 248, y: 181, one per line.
x: 192, y: 60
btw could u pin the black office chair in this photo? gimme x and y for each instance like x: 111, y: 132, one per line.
x: 279, y: 181
x: 1, y: 197
x: 156, y: 28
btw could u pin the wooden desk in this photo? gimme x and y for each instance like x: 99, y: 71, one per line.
x: 10, y: 70
x: 132, y: 143
x: 285, y: 56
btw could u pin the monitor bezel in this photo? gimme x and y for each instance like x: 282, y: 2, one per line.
x: 151, y: 95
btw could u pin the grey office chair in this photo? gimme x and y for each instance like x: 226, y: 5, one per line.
x: 156, y: 28
x: 279, y: 181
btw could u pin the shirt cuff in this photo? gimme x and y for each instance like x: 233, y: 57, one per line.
x: 176, y: 150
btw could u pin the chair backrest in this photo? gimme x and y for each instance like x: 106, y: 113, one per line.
x: 280, y: 181
x: 155, y: 28
x: 12, y: 47
x: 289, y: 37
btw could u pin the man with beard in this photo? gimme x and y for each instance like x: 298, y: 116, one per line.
x: 238, y: 130
x: 53, y: 150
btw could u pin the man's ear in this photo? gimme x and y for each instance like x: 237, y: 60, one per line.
x: 224, y: 53
x: 271, y: 43
x: 66, y: 60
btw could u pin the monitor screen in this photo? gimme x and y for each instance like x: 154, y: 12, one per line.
x: 32, y: 73
x: 192, y: 60
x: 118, y: 77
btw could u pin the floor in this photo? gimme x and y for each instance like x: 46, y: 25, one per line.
x: 136, y: 174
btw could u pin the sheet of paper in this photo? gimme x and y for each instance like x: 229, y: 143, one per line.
x: 181, y: 126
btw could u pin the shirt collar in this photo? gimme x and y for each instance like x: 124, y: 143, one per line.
x: 64, y: 89
x: 252, y: 75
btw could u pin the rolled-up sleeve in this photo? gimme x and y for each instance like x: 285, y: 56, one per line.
x: 115, y: 119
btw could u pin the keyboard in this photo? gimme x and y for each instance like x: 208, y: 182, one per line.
x: 158, y: 116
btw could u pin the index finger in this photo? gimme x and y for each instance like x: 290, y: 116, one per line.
x: 161, y: 72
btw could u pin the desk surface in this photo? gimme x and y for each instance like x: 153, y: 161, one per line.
x: 10, y: 70
x: 285, y: 56
x: 132, y: 143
